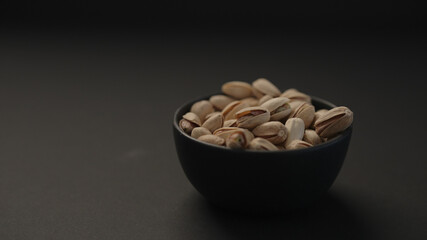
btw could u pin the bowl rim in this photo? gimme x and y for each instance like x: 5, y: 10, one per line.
x: 322, y: 145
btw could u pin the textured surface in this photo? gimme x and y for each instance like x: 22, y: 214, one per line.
x: 87, y: 150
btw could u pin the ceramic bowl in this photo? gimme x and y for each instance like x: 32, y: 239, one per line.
x: 260, y: 182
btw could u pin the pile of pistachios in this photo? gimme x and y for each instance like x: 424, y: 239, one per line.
x: 261, y: 117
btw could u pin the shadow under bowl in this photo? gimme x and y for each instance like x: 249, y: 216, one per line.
x: 260, y: 182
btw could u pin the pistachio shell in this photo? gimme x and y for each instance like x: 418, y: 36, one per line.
x: 224, y: 132
x: 202, y: 108
x: 295, y: 127
x: 303, y: 110
x: 229, y: 112
x: 298, y: 144
x: 251, y: 117
x: 230, y: 123
x: 317, y: 115
x: 333, y: 122
x: 220, y: 101
x: 258, y: 94
x: 237, y: 89
x: 239, y: 139
x: 186, y: 126
x: 279, y: 108
x: 311, y: 137
x: 294, y: 104
x: 251, y: 101
x: 295, y: 95
x: 192, y: 117
x: 199, y: 131
x: 213, y: 121
x: 264, y: 99
x: 273, y: 131
x: 212, y: 139
x: 189, y: 121
x: 265, y: 87
x: 262, y: 144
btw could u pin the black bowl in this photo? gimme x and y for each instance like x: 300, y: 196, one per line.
x: 260, y: 182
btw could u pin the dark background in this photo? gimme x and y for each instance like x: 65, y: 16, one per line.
x: 88, y: 91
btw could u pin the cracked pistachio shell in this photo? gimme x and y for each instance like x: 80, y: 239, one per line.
x: 317, y: 115
x: 295, y: 95
x: 220, y: 101
x: 311, y: 137
x: 192, y: 117
x: 251, y: 101
x: 303, y: 110
x: 264, y: 87
x: 333, y: 122
x: 200, y: 131
x: 262, y: 144
x: 237, y: 89
x: 251, y: 117
x: 230, y: 123
x: 264, y: 99
x: 189, y: 121
x: 279, y: 108
x: 298, y: 144
x: 213, y: 121
x: 273, y: 131
x: 239, y: 139
x: 202, y: 108
x: 224, y: 132
x: 295, y: 128
x: 187, y: 126
x: 229, y: 112
x: 212, y: 139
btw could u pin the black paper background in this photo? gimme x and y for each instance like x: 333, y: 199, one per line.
x: 88, y: 90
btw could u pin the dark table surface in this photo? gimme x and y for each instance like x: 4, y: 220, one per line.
x: 86, y: 142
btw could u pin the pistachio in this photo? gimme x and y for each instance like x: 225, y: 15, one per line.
x: 200, y: 131
x: 230, y: 123
x: 303, y: 110
x: 262, y: 144
x: 229, y: 112
x: 212, y: 139
x: 279, y: 108
x: 202, y: 108
x: 264, y: 99
x: 251, y: 101
x: 264, y: 87
x: 186, y: 126
x: 298, y: 144
x: 317, y: 115
x: 220, y: 101
x: 251, y: 117
x: 224, y: 132
x: 295, y: 127
x: 239, y: 139
x: 257, y: 93
x: 192, y: 117
x: 295, y: 95
x: 333, y: 122
x: 189, y: 121
x: 311, y: 137
x: 273, y: 131
x: 237, y: 89
x: 213, y: 121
